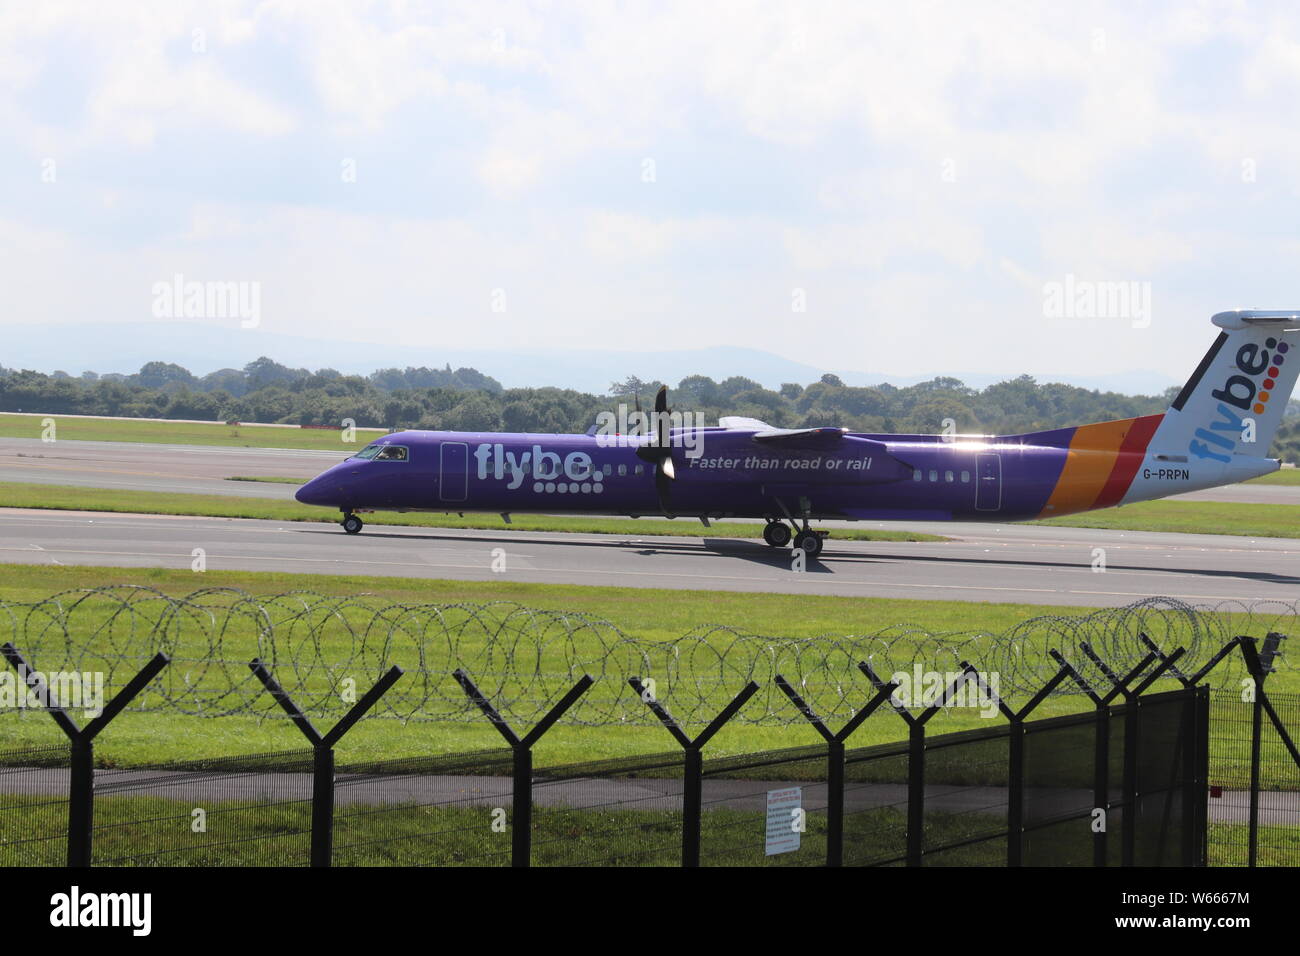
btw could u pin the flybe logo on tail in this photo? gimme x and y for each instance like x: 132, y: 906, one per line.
x: 1244, y: 392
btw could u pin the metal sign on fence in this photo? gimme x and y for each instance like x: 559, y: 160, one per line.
x: 784, y: 820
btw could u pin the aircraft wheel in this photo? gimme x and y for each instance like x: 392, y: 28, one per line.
x: 776, y: 534
x: 352, y: 524
x: 810, y: 541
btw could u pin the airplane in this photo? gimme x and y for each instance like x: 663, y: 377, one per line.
x: 1214, y: 433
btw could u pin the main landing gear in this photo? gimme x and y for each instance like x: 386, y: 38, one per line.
x: 778, y: 535
x: 352, y: 524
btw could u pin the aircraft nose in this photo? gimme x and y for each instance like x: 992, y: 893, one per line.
x: 315, y: 492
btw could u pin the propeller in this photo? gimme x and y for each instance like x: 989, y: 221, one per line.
x: 660, y: 452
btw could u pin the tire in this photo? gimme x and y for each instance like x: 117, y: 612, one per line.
x: 810, y: 541
x: 776, y: 534
x: 352, y: 524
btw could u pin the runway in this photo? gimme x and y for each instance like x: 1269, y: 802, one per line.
x: 191, y: 469
x: 998, y: 563
x: 205, y: 469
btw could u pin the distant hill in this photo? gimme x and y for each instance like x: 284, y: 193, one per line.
x: 204, y: 348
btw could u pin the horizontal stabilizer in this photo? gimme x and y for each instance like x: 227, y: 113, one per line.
x: 1257, y: 318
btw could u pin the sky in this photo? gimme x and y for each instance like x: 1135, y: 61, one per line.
x: 910, y: 188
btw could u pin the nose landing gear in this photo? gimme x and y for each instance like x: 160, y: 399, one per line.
x: 351, y: 523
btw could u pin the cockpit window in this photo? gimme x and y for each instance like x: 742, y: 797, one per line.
x: 384, y: 453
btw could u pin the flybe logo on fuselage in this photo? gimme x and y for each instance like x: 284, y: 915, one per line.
x: 1244, y: 392
x: 547, y: 469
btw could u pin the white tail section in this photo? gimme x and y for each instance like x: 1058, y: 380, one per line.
x: 1230, y: 408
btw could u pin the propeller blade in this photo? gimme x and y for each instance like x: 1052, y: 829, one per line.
x: 662, y: 486
x: 666, y: 466
x: 663, y: 425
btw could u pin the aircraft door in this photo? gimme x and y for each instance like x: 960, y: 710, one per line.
x: 988, y: 482
x: 453, y: 471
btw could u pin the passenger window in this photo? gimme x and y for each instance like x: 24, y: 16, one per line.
x: 934, y: 475
x: 640, y: 469
x: 622, y: 470
x: 916, y: 474
x: 607, y: 470
x: 947, y: 476
x: 965, y: 477
x: 392, y: 453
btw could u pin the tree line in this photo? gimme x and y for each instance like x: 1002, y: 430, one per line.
x: 466, y: 400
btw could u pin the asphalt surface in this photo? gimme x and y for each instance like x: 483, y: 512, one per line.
x: 201, y: 469
x: 591, y: 793
x: 1003, y: 563
x: 192, y: 469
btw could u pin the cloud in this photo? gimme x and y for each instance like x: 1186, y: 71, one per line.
x: 939, y: 158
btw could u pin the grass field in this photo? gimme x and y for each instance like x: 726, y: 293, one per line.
x: 76, y: 428
x: 1191, y: 517
x: 1284, y: 476
x: 154, y: 831
x: 70, y: 498
x: 462, y: 827
x: 654, y: 615
x: 138, y: 738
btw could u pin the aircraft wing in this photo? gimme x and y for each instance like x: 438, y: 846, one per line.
x: 826, y: 439
x: 800, y: 436
x: 763, y: 432
x: 739, y: 423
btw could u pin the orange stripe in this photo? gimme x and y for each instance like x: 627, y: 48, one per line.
x: 1130, y: 457
x: 1088, y: 465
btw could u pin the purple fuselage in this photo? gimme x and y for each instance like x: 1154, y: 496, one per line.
x: 718, y: 473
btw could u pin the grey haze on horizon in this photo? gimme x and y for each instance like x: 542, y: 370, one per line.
x: 202, y: 348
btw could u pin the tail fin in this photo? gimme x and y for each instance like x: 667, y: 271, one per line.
x: 1217, y: 431
x: 1232, y: 405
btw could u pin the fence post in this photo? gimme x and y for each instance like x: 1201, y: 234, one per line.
x: 521, y: 829
x: 835, y: 761
x: 693, y: 762
x: 1260, y: 666
x: 1016, y: 755
x: 322, y: 751
x: 1195, y: 720
x: 916, y: 756
x: 915, y: 770
x: 81, y: 801
x: 1132, y: 712
x: 1100, y: 757
x: 1128, y: 782
x: 81, y: 768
